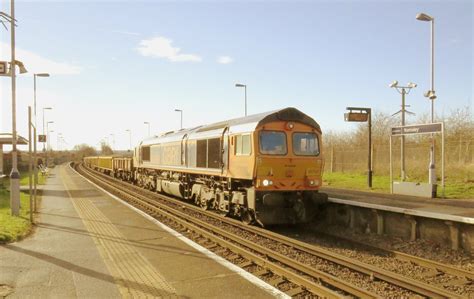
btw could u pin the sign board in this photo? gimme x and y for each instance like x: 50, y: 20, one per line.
x: 417, y: 129
x: 3, y: 68
x: 41, y: 138
x: 356, y: 116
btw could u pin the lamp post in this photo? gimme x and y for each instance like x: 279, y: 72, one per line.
x: 113, y: 141
x: 245, y: 88
x: 34, y: 90
x: 181, y: 112
x: 34, y: 108
x: 432, y: 96
x: 44, y: 133
x: 148, y: 123
x: 47, y: 141
x: 50, y: 146
x: 58, y: 137
x: 15, y: 174
x: 403, y: 91
x: 130, y: 138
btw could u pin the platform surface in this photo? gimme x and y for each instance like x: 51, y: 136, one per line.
x: 89, y: 245
x: 458, y: 210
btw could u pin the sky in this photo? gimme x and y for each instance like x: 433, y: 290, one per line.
x: 117, y: 64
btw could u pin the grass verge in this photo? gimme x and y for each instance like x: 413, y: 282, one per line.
x: 357, y: 181
x: 14, y: 228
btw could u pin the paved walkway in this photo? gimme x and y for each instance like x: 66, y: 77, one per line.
x: 89, y: 245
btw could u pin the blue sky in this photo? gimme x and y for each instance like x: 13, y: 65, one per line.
x: 115, y: 65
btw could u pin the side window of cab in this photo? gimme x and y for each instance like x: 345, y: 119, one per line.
x: 243, y: 145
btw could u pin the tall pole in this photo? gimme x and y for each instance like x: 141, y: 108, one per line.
x: 14, y: 175
x: 432, y: 170
x: 402, y: 143
x: 113, y: 141
x: 34, y: 96
x: 35, y: 165
x: 130, y: 139
x: 245, y: 93
x: 181, y: 117
x: 432, y: 96
x: 43, y: 131
x: 245, y: 90
x: 369, y: 175
x: 30, y: 162
x: 148, y: 124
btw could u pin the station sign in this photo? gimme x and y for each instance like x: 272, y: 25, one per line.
x: 3, y: 68
x: 41, y: 138
x: 356, y: 116
x: 417, y: 129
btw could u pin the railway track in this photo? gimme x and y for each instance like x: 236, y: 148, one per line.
x: 293, y: 266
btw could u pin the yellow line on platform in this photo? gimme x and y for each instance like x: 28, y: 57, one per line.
x: 134, y: 275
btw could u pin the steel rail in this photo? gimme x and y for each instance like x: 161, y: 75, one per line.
x: 440, y: 267
x: 203, y: 228
x: 197, y: 226
x: 372, y: 271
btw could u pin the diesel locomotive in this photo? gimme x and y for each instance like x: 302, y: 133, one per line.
x: 264, y: 168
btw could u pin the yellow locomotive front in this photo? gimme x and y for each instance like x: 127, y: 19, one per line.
x: 288, y: 171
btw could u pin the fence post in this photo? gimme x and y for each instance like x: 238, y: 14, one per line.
x: 30, y: 161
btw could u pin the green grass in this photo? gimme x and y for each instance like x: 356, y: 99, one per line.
x: 14, y: 228
x: 357, y: 181
x: 24, y: 180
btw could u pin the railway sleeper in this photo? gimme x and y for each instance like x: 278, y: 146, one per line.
x: 295, y: 291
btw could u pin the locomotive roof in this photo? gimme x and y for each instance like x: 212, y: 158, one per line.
x: 236, y: 125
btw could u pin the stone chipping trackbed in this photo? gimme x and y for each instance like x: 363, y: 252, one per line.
x: 336, y: 272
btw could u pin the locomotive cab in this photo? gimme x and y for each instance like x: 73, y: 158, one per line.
x: 288, y: 172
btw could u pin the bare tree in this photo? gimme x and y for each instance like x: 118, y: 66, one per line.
x: 105, y: 149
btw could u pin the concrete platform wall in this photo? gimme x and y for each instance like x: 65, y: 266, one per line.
x: 365, y: 220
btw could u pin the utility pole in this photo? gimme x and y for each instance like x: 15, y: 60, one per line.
x: 403, y: 90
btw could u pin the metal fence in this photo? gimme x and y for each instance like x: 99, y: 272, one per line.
x: 459, y: 158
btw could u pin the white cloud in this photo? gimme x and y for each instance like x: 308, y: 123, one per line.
x: 161, y: 47
x: 35, y: 63
x: 225, y: 59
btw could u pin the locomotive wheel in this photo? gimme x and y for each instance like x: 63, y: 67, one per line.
x: 203, y: 204
x: 247, y: 216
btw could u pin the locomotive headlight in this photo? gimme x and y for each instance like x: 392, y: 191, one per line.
x: 313, y: 182
x: 267, y: 182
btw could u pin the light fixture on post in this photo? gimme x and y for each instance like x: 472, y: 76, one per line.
x: 113, y: 141
x: 180, y: 111
x: 147, y: 123
x: 403, y: 90
x: 43, y: 138
x: 35, y: 163
x: 130, y: 139
x: 430, y: 94
x: 245, y: 90
x: 34, y: 90
x: 47, y: 141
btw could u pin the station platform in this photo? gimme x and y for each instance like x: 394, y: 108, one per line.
x: 88, y: 244
x: 456, y: 210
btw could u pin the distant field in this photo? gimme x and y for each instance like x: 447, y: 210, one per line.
x: 357, y: 181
